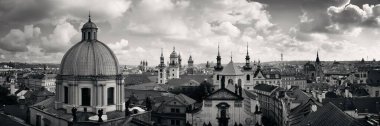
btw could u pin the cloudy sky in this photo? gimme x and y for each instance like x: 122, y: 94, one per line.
x: 43, y: 30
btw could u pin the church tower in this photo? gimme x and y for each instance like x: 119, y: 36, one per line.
x: 247, y: 66
x: 318, y: 67
x: 173, y: 65
x: 162, y: 70
x: 217, y: 70
x: 179, y: 60
x: 218, y: 66
x: 190, y: 69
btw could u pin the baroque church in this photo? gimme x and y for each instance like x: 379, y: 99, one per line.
x: 230, y: 103
x: 89, y: 88
x: 170, y: 71
x: 314, y: 71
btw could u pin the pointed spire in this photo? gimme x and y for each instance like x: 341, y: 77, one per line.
x: 247, y: 48
x: 173, y: 48
x: 218, y: 49
x: 317, y: 60
x: 89, y: 16
x: 162, y: 54
x: 231, y: 55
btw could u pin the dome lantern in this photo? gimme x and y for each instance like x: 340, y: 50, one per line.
x: 89, y: 30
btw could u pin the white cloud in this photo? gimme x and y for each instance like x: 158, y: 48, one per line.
x: 60, y: 39
x: 17, y: 40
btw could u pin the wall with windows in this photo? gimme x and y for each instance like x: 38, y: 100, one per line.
x: 374, y: 91
x: 209, y: 113
x: 92, y: 95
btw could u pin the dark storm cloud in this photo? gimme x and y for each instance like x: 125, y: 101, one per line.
x: 17, y: 13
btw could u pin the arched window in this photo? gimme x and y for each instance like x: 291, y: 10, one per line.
x: 248, y: 77
x: 86, y: 97
x: 239, y: 82
x: 217, y: 77
x: 230, y: 81
x: 110, y: 96
x: 160, y: 75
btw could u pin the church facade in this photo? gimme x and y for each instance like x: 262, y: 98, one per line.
x: 229, y: 103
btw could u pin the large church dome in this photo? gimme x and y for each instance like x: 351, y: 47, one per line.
x: 89, y: 57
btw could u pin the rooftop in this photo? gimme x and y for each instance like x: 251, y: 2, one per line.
x: 330, y: 115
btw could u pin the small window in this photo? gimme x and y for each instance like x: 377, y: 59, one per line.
x: 110, y: 95
x: 177, y: 122
x: 172, y: 122
x: 66, y: 93
x: 86, y: 97
x: 88, y: 35
x: 217, y: 77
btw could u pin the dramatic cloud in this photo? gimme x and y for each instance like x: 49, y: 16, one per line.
x: 137, y: 29
x: 17, y: 40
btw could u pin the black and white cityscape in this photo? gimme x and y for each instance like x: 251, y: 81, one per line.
x: 189, y: 63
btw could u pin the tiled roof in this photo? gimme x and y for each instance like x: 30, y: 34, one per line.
x: 265, y: 87
x: 299, y: 113
x: 231, y: 69
x: 142, y: 94
x: 184, y: 99
x: 7, y: 121
x: 132, y: 79
x: 199, y: 78
x: 330, y: 115
x: 249, y: 94
x: 362, y: 104
x: 181, y: 81
x: 147, y: 86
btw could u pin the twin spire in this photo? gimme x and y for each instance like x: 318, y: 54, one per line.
x: 231, y: 51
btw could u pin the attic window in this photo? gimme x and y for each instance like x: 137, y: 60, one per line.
x: 174, y: 102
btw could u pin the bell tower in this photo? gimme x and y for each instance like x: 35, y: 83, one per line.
x: 162, y: 70
x: 174, y: 65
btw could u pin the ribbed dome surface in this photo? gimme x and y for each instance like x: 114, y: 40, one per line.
x: 89, y: 25
x: 89, y: 58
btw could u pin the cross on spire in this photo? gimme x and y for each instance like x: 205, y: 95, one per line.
x: 231, y: 55
x: 89, y: 16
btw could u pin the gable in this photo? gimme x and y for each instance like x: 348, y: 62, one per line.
x: 259, y: 74
x: 174, y: 102
x: 223, y: 94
